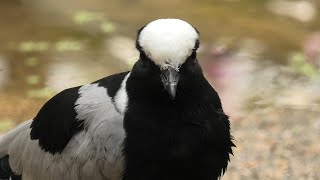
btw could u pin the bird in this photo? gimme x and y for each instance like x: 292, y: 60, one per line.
x: 161, y: 120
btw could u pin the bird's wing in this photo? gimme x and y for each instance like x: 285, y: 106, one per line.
x: 82, y: 124
x: 56, y: 122
x: 221, y: 127
x: 69, y: 112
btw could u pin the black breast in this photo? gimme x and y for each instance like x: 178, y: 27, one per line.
x: 188, y: 138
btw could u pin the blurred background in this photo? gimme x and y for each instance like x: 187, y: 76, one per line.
x: 262, y: 56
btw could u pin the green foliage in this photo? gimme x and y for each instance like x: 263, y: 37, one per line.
x: 41, y: 93
x: 6, y: 124
x: 80, y: 18
x: 300, y: 64
x: 33, y: 79
x: 107, y: 27
x: 84, y: 16
x: 31, y: 61
x: 41, y: 46
x: 68, y: 45
x: 31, y: 46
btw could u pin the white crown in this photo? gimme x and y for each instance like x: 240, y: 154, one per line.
x: 168, y: 42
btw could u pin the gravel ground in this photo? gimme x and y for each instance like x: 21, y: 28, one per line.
x: 278, y: 135
x: 272, y: 146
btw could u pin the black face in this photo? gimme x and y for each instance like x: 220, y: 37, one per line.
x: 168, y: 79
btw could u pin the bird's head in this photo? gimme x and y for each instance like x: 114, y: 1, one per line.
x: 166, y: 46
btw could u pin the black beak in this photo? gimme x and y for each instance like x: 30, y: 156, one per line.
x: 170, y: 78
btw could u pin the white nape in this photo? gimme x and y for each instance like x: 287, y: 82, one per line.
x: 168, y: 42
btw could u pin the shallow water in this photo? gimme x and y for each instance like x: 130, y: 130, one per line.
x: 252, y: 53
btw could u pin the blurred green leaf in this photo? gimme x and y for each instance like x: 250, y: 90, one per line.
x: 29, y: 46
x: 68, y: 45
x: 26, y: 46
x: 6, y: 124
x: 33, y: 79
x: 83, y: 17
x: 300, y: 64
x: 31, y: 61
x: 41, y: 93
x: 107, y: 27
x: 298, y: 59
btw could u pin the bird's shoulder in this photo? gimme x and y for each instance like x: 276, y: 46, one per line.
x: 112, y: 83
x: 66, y: 113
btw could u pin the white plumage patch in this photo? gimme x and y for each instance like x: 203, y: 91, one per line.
x: 168, y: 42
x: 121, y: 98
x: 94, y: 106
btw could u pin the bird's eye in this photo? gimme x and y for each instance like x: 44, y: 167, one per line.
x: 193, y: 55
x: 142, y: 55
x: 143, y: 59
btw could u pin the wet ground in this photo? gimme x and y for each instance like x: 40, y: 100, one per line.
x: 262, y: 57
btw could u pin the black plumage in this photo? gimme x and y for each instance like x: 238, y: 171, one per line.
x: 6, y: 171
x: 187, y: 138
x: 56, y: 122
x: 112, y: 83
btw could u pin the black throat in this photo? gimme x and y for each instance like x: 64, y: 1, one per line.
x: 186, y: 138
